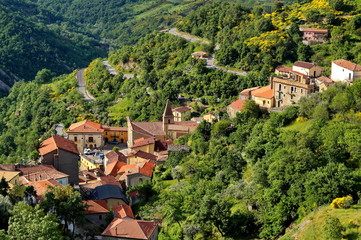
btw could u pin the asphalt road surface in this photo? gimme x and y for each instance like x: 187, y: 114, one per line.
x: 81, y: 86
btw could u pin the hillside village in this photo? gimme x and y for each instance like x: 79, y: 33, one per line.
x: 104, y: 162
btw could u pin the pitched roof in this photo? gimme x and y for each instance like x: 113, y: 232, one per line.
x: 182, y: 109
x: 119, y: 129
x: 237, y: 105
x: 85, y: 126
x: 100, y: 181
x: 108, y: 191
x: 283, y: 69
x: 264, y: 92
x: 8, y: 175
x: 113, y: 168
x: 315, y: 30
x: 41, y: 172
x: 199, y: 53
x: 56, y: 142
x: 8, y: 167
x: 90, y: 175
x: 161, y: 145
x: 123, y: 211
x: 306, y: 65
x: 168, y: 109
x: 96, y: 206
x: 149, y: 128
x: 142, y: 154
x: 42, y: 186
x: 145, y: 168
x: 347, y: 64
x: 143, y: 142
x: 130, y: 228
x: 325, y: 79
x: 248, y: 91
x: 114, y: 156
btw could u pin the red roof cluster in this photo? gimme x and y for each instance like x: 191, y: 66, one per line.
x: 143, y: 142
x: 123, y: 211
x: 238, y: 104
x: 86, y: 126
x: 181, y: 109
x: 96, y: 206
x: 41, y: 172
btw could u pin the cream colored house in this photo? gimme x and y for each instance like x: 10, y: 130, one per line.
x: 345, y: 71
x: 307, y: 69
x: 11, y: 177
x: 86, y: 134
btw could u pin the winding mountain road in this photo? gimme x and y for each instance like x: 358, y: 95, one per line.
x: 114, y: 72
x: 211, y: 60
x: 82, y: 86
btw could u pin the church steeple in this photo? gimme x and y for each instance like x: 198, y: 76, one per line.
x: 168, y: 117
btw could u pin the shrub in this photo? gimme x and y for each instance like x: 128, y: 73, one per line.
x: 344, y: 202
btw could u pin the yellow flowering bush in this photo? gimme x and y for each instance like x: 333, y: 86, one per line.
x: 344, y: 202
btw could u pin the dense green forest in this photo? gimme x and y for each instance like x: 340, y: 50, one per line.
x: 30, y: 41
x: 253, y: 176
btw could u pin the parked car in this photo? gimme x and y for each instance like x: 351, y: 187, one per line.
x: 114, y: 142
x: 88, y: 151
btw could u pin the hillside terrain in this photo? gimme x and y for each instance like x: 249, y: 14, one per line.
x: 259, y: 175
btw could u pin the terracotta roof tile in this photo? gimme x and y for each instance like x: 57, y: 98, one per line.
x: 325, y: 79
x: 103, y: 180
x: 144, y: 168
x: 123, y: 211
x: 315, y: 30
x: 8, y: 175
x: 114, y: 156
x: 142, y: 154
x: 121, y: 129
x: 237, y: 105
x: 41, y: 187
x: 90, y: 175
x: 181, y: 109
x: 149, y: 128
x: 41, y: 172
x: 113, y: 168
x: 248, y: 91
x: 347, y: 64
x: 56, y: 142
x: 96, y: 206
x: 130, y: 228
x: 143, y: 142
x: 86, y: 126
x: 266, y: 93
x: 283, y: 69
x: 306, y: 65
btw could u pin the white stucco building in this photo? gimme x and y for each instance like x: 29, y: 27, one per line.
x: 345, y: 71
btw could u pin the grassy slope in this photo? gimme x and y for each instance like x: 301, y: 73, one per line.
x: 310, y: 227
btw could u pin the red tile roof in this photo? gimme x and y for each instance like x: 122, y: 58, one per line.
x: 306, y: 65
x: 347, y: 64
x: 145, y: 168
x: 90, y: 175
x: 119, y: 129
x: 41, y: 172
x: 248, y: 91
x: 42, y: 186
x: 283, y: 69
x: 85, y: 127
x: 315, y: 30
x: 237, y: 105
x: 103, y: 180
x: 142, y: 154
x: 181, y: 109
x: 264, y: 92
x: 123, y: 211
x: 96, y: 206
x: 325, y: 79
x: 143, y: 142
x: 130, y: 228
x: 56, y: 142
x: 113, y: 168
x: 114, y: 156
x: 151, y: 129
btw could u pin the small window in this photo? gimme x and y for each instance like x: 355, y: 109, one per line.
x: 291, y: 89
x: 284, y: 87
x: 91, y: 139
x: 168, y: 120
x: 100, y: 217
x: 75, y: 139
x: 106, y: 133
x: 301, y: 90
x: 280, y: 86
